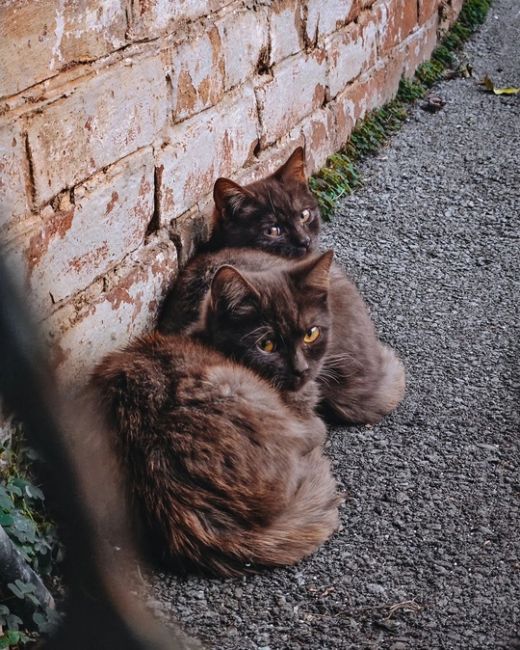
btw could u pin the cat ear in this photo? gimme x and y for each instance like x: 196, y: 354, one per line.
x: 294, y: 168
x: 313, y: 273
x: 231, y: 286
x: 228, y: 193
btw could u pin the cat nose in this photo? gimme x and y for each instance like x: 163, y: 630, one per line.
x: 306, y: 242
x: 300, y: 366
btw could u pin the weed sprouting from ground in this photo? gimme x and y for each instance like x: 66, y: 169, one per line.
x: 340, y: 176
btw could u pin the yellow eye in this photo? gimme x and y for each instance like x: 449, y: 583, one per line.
x: 305, y: 216
x: 311, y: 335
x: 274, y: 231
x: 267, y: 345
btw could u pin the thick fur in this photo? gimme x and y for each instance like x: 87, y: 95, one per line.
x: 360, y: 379
x: 227, y: 477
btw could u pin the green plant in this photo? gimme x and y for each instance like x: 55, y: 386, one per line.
x: 23, y: 518
x: 339, y: 176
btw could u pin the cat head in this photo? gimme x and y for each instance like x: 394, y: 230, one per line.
x: 275, y: 322
x: 278, y: 214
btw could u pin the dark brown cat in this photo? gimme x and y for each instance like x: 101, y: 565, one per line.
x: 277, y: 214
x: 228, y: 472
x: 362, y: 380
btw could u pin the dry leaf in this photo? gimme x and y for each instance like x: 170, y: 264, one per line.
x: 490, y: 86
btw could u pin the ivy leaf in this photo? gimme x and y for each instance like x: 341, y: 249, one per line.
x: 14, y: 489
x: 5, y: 519
x: 16, y: 590
x: 13, y: 622
x: 34, y: 492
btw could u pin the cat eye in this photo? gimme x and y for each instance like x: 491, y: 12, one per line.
x: 267, y: 345
x: 273, y: 231
x: 311, y: 335
x: 305, y: 216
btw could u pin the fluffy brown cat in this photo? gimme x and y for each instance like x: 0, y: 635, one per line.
x: 362, y: 379
x: 226, y: 471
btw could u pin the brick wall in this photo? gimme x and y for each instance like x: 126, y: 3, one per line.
x: 116, y: 117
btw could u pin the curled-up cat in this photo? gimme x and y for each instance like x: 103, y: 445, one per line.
x: 225, y: 471
x: 362, y: 379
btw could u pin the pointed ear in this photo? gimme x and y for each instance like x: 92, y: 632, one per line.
x: 313, y: 273
x: 232, y: 288
x: 228, y: 193
x: 294, y: 168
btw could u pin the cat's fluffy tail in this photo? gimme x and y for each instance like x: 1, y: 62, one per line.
x: 390, y: 389
x: 309, y: 520
x: 367, y: 400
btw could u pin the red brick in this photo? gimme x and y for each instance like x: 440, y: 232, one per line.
x: 197, y: 74
x: 103, y: 120
x: 80, y: 334
x: 373, y: 89
x: 150, y: 18
x: 350, y: 51
x: 38, y: 38
x: 215, y: 143
x: 244, y: 35
x: 397, y: 19
x: 296, y: 89
x: 319, y: 131
x: 285, y: 29
x: 270, y: 159
x: 325, y: 17
x: 13, y: 191
x: 82, y: 239
x: 420, y: 45
x: 427, y: 9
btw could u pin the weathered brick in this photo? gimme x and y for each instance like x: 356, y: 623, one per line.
x: 270, y: 159
x: 320, y: 138
x: 301, y: 78
x: 397, y: 19
x: 325, y: 17
x: 103, y: 120
x: 350, y: 51
x: 427, y: 9
x: 81, y: 240
x: 214, y: 143
x: 244, y: 35
x: 373, y: 89
x: 358, y: 6
x: 80, y: 335
x: 420, y: 45
x: 285, y: 29
x: 13, y: 194
x: 109, y: 218
x: 197, y: 74
x: 39, y: 38
x: 150, y: 18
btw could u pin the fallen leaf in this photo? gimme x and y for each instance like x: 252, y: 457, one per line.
x: 490, y: 86
x: 466, y: 70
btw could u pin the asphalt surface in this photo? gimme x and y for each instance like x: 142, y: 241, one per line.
x: 429, y: 551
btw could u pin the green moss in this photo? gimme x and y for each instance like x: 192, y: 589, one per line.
x: 340, y: 176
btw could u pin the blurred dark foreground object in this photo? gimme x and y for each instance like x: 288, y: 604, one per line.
x: 100, y: 611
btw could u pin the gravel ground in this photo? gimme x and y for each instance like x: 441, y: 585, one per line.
x: 429, y: 552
